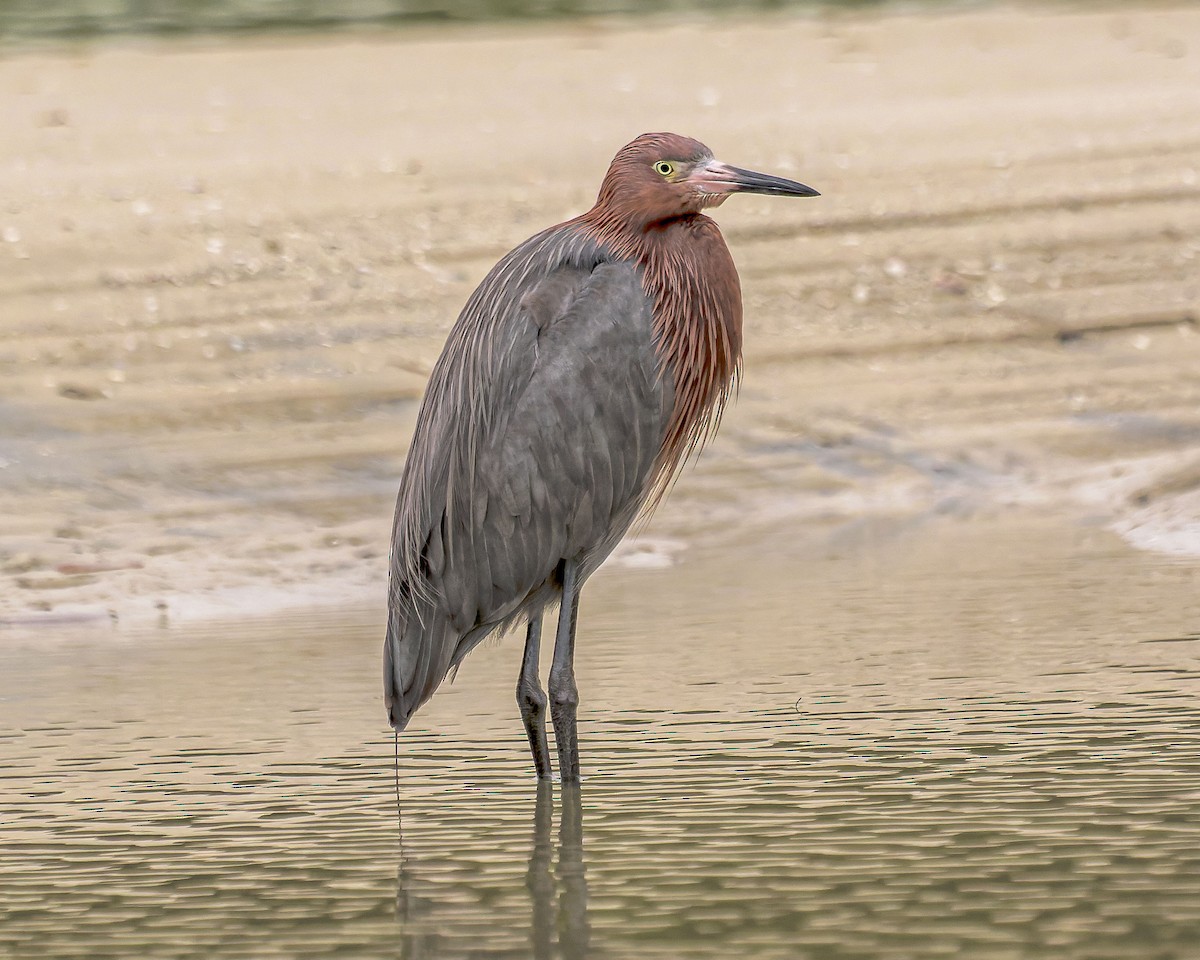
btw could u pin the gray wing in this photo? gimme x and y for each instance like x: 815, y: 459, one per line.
x: 537, y: 442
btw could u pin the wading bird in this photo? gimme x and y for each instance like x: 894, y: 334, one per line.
x: 587, y: 366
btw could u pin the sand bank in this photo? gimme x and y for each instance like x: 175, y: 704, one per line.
x: 226, y: 270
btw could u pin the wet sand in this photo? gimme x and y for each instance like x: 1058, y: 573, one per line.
x: 225, y: 271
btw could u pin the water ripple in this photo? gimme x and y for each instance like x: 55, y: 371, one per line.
x: 897, y: 799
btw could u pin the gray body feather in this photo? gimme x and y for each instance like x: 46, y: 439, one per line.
x: 536, y: 442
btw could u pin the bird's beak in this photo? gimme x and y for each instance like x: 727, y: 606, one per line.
x: 720, y: 179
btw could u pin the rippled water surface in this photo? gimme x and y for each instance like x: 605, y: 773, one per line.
x: 950, y: 740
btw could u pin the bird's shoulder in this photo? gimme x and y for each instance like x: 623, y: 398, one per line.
x: 539, y: 280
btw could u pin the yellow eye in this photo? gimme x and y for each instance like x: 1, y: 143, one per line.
x: 664, y: 168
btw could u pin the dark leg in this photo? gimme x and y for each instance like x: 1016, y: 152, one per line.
x: 532, y: 699
x: 564, y: 697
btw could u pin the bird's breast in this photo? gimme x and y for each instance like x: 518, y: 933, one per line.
x: 691, y: 278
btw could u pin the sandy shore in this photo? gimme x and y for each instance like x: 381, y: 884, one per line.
x: 226, y: 270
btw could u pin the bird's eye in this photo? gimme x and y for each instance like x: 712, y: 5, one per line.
x: 664, y: 168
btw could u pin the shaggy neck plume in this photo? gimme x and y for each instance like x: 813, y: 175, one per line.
x: 689, y: 276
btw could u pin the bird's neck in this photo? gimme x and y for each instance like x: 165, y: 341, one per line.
x: 690, y: 277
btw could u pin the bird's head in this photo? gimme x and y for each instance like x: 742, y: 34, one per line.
x: 663, y: 175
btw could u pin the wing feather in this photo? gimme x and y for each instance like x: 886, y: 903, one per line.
x: 537, y: 441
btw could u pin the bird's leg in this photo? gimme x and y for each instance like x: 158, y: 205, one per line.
x: 532, y: 699
x: 564, y: 697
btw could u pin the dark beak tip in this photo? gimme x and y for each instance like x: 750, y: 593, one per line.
x: 751, y: 181
x: 799, y: 190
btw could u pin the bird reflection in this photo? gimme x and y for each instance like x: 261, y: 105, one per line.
x: 571, y: 917
x: 415, y: 903
x: 558, y: 893
x: 538, y: 879
x: 572, y: 878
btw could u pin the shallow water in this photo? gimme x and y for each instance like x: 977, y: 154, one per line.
x: 967, y: 738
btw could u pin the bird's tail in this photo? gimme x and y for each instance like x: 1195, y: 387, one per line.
x: 416, y: 657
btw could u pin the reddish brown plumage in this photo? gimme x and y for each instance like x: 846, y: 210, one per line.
x: 689, y: 275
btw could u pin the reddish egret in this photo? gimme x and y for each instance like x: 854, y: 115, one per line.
x: 586, y: 367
